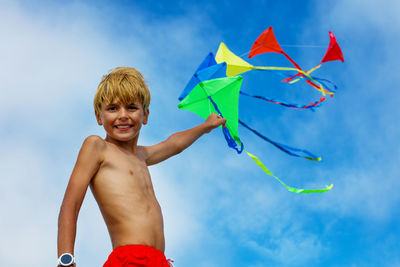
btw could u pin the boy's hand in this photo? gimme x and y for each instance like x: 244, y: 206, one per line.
x: 213, y: 121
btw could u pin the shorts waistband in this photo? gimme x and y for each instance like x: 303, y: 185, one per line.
x: 138, y: 247
x: 141, y: 250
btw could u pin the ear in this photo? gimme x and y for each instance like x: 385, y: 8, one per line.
x: 146, y: 116
x: 98, y: 118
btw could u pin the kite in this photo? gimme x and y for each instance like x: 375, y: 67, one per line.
x: 267, y: 43
x: 215, y: 87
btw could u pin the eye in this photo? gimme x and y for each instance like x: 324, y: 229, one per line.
x: 111, y: 108
x: 132, y: 107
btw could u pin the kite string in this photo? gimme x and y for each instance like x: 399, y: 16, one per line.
x: 307, y: 46
x: 288, y: 45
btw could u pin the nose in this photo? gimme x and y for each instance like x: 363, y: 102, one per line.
x: 123, y: 114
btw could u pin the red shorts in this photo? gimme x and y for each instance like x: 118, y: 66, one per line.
x: 136, y: 256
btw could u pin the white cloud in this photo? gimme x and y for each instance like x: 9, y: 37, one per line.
x: 29, y: 221
x: 44, y: 63
x: 291, y: 249
x: 50, y: 65
x: 366, y: 170
x: 356, y: 131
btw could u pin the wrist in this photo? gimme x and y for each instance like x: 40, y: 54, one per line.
x: 209, y: 126
x: 66, y: 259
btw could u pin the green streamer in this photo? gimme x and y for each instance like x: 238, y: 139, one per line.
x: 289, y: 188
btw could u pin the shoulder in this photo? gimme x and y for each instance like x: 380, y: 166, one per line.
x: 94, y: 140
x: 95, y: 145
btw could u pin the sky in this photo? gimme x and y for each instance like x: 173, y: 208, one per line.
x: 219, y: 208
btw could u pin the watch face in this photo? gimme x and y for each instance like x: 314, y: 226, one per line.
x: 66, y: 259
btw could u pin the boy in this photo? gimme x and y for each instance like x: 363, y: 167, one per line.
x: 116, y: 170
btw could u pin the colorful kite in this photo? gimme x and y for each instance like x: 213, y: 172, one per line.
x: 216, y: 85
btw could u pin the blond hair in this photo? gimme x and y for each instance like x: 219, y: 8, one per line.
x: 125, y: 84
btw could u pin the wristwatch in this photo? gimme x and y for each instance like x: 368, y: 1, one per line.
x: 66, y: 259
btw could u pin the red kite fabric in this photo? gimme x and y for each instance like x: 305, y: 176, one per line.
x: 333, y: 52
x: 265, y: 43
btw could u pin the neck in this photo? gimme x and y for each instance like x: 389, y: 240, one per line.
x: 129, y: 146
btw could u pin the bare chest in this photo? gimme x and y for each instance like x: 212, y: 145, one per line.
x: 122, y: 174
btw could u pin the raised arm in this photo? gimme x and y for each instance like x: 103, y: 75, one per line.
x: 87, y: 164
x: 179, y: 141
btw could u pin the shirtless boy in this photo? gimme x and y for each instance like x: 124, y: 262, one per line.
x: 116, y: 170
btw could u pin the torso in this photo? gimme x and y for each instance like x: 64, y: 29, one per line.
x: 124, y: 192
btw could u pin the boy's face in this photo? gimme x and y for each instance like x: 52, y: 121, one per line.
x: 122, y: 122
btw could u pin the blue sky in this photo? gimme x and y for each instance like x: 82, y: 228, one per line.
x: 220, y: 209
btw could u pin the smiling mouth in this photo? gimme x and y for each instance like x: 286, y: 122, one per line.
x: 123, y: 127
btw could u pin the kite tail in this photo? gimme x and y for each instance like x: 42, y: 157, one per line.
x: 291, y: 60
x: 289, y: 80
x: 306, y: 74
x: 309, y: 79
x: 230, y: 141
x: 310, y: 106
x: 287, y: 149
x: 228, y: 137
x: 289, y: 188
x: 327, y: 84
x: 330, y: 86
x: 314, y: 82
